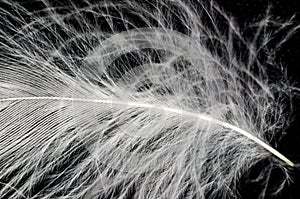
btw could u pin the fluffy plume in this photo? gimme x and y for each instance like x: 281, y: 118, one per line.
x: 164, y: 99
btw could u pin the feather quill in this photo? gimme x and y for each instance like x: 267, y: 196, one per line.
x: 129, y: 99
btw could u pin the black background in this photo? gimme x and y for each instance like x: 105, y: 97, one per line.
x: 244, y: 12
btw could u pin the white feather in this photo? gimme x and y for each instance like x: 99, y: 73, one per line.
x: 97, y: 111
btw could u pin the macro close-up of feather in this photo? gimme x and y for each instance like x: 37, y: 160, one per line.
x: 149, y: 99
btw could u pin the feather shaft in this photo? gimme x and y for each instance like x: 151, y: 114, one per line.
x: 172, y: 110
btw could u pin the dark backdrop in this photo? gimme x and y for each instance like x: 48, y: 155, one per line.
x: 244, y: 12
